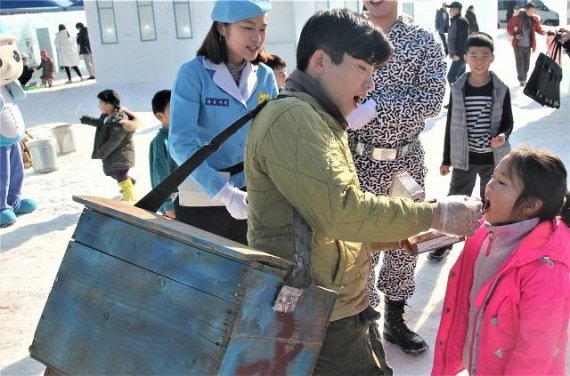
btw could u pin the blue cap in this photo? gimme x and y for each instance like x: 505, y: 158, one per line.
x: 230, y: 11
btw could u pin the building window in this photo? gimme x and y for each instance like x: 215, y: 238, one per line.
x: 107, y: 25
x: 182, y: 19
x: 146, y: 20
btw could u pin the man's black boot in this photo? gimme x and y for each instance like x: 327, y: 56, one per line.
x: 439, y: 254
x: 396, y: 331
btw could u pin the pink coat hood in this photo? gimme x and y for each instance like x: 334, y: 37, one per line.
x: 522, y: 324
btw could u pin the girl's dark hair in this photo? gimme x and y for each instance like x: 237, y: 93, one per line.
x: 479, y: 39
x: 544, y: 177
x: 214, y: 48
x: 111, y: 97
x: 340, y: 31
x: 61, y: 27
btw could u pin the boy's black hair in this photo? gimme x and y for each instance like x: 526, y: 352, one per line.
x: 479, y: 39
x: 160, y: 100
x: 340, y: 31
x: 275, y: 62
x: 111, y: 97
x: 530, y: 5
x: 79, y: 25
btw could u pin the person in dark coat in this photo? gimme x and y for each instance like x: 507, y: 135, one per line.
x: 442, y: 25
x: 47, y: 67
x: 472, y: 19
x: 114, y: 140
x: 456, y: 39
x: 85, y: 48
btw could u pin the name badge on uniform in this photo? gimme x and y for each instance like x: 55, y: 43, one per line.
x: 217, y: 102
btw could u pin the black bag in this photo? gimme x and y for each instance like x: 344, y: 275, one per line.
x: 544, y: 83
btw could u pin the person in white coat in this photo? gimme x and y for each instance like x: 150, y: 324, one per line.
x: 67, y: 54
x: 224, y: 82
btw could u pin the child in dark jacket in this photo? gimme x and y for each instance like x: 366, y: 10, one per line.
x: 114, y: 141
x: 161, y: 164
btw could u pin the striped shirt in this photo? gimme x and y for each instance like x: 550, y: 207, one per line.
x: 478, y: 114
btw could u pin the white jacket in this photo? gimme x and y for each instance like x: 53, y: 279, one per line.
x: 67, y: 55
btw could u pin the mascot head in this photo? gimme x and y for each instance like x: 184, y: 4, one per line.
x: 11, y: 64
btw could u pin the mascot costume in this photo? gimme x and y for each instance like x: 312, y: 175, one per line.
x: 11, y: 132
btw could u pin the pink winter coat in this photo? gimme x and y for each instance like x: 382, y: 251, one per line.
x: 523, y: 310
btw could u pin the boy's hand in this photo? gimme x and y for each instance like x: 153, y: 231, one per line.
x: 83, y: 119
x: 444, y: 170
x: 170, y: 214
x: 498, y: 141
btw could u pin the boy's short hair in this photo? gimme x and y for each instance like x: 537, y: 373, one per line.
x: 275, y: 62
x: 340, y: 31
x: 530, y: 5
x: 111, y: 97
x: 479, y: 39
x: 160, y: 101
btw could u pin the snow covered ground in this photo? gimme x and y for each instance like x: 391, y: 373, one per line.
x: 31, y: 250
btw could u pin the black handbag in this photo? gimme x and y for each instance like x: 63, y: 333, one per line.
x: 544, y: 83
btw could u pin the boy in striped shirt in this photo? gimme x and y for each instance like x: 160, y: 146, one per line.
x: 479, y: 122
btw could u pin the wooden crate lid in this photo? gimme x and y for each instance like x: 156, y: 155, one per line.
x: 180, y: 231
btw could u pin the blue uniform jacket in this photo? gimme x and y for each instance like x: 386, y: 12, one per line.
x: 161, y: 164
x: 205, y: 101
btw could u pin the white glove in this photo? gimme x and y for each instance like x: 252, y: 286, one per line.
x: 362, y: 115
x: 234, y: 199
x: 457, y: 215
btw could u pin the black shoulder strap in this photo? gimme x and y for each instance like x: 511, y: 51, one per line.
x: 156, y: 197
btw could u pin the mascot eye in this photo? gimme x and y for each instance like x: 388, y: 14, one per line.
x: 1, y: 63
x: 16, y: 56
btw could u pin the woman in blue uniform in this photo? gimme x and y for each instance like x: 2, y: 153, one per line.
x: 224, y: 81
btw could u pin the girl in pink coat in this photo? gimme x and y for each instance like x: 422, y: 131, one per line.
x: 507, y: 303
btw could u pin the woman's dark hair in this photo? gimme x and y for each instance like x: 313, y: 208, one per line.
x: 214, y: 48
x: 61, y: 27
x: 544, y: 177
x: 479, y: 39
x: 79, y: 26
x: 111, y: 97
x: 340, y: 31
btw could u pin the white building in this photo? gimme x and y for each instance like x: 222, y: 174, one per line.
x: 144, y: 40
x: 131, y: 39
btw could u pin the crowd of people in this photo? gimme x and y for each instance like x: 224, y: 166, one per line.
x: 69, y: 49
x: 328, y: 145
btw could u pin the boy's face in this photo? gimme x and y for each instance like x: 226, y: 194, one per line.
x: 479, y: 59
x: 280, y: 76
x: 106, y: 108
x: 346, y: 83
x: 164, y: 117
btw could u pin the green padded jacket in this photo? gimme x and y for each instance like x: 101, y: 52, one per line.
x: 297, y: 155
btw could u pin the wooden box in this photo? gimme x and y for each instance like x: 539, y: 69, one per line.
x: 139, y: 294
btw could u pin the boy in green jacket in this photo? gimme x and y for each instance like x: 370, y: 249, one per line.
x: 297, y: 157
x: 161, y: 164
